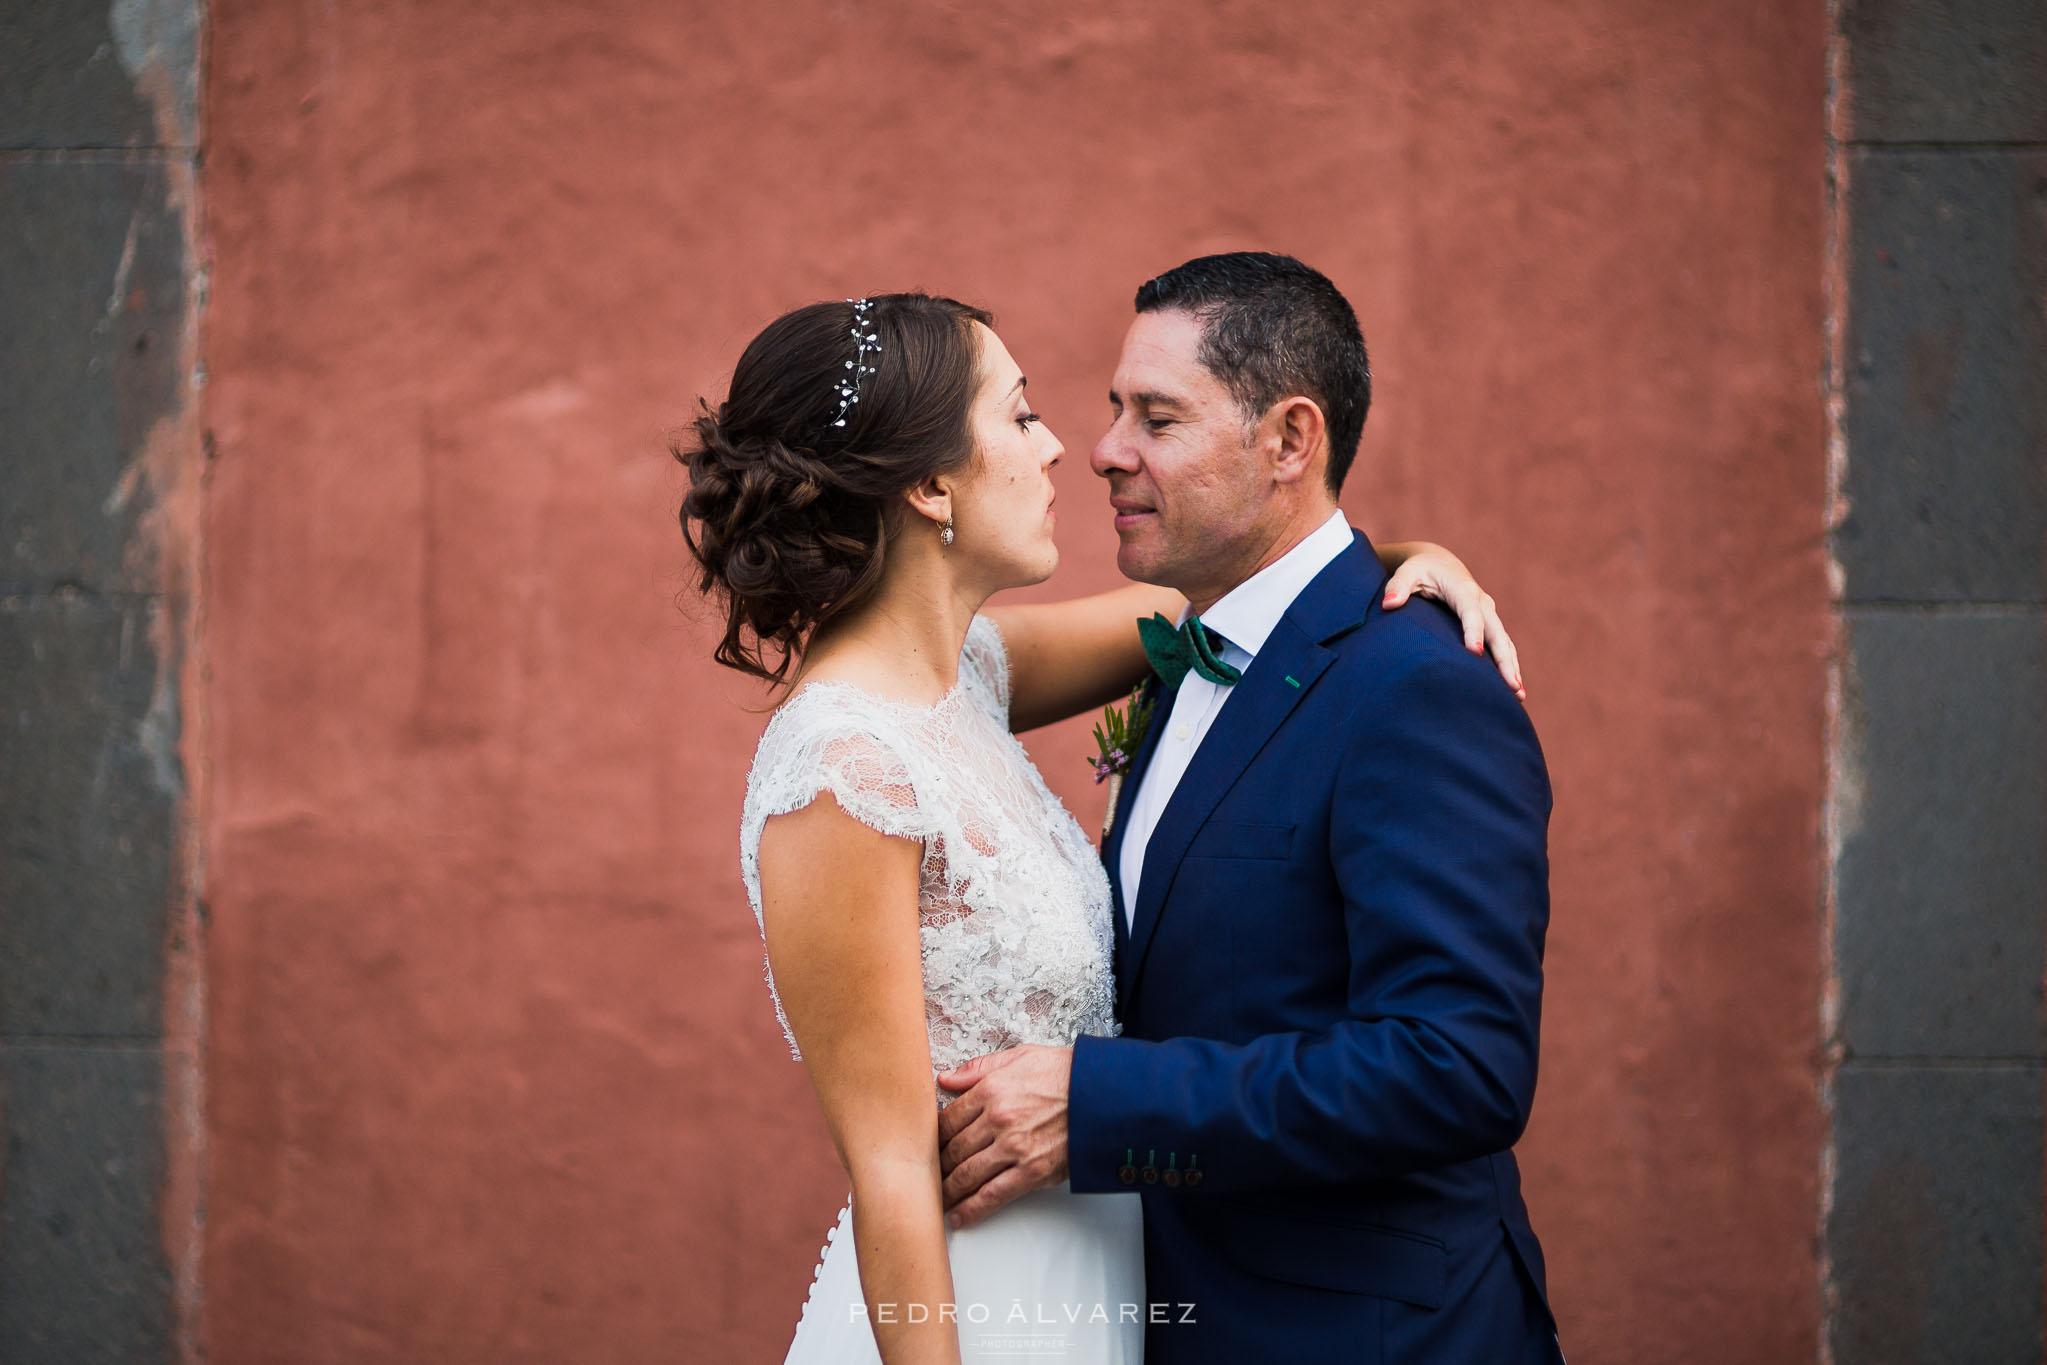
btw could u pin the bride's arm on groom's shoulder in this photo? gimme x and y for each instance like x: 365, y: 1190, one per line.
x: 1070, y: 657
x: 839, y: 909
x: 1425, y: 569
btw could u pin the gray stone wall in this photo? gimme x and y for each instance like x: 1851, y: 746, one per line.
x: 1934, y: 1226
x: 98, y: 151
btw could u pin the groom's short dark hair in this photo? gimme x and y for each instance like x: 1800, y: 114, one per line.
x: 1272, y: 328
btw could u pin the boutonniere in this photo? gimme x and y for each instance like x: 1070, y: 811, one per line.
x: 1118, y: 736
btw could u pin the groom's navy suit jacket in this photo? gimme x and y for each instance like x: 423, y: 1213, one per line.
x: 1330, y: 1001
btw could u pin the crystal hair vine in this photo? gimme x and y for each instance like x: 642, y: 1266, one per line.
x: 865, y: 339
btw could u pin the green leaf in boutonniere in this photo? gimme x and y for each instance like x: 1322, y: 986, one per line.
x: 1117, y: 740
x: 1119, y: 735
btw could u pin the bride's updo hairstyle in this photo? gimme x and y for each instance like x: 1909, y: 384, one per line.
x: 789, y: 514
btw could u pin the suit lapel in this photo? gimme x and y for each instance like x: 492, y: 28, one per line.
x: 1336, y: 602
x: 1255, y: 709
x: 1112, y: 847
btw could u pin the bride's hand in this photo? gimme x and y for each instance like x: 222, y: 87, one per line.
x: 1433, y: 571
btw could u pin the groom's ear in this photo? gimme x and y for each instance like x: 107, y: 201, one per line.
x: 1298, y: 438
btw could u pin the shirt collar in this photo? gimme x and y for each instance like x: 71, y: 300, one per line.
x: 1246, y: 614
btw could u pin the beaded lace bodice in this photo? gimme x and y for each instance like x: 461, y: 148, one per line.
x: 1014, y: 904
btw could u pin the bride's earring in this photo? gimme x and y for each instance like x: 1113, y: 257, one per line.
x: 945, y: 532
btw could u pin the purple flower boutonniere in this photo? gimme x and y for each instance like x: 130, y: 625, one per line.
x: 1118, y: 737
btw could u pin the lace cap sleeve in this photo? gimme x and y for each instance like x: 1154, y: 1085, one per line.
x: 984, y: 666
x: 866, y: 769
x: 828, y: 743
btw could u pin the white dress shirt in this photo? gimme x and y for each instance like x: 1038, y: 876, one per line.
x: 1244, y: 617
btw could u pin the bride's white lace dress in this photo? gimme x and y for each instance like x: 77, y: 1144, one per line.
x: 1016, y: 937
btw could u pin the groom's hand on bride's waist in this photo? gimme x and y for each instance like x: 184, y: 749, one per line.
x: 1006, y: 1133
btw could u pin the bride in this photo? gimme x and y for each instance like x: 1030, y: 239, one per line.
x: 874, y: 476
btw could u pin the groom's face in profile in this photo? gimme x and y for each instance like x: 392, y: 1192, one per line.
x: 1185, y: 483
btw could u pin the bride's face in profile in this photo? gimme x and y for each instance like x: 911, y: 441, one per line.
x: 1002, y: 511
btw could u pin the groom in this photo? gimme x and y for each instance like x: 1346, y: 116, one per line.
x: 1331, y: 880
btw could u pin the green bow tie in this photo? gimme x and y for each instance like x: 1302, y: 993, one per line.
x: 1175, y: 651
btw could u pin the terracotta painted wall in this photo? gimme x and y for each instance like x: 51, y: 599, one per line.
x: 492, y: 1073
